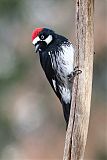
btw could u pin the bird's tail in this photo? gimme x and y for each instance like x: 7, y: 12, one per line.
x: 66, y: 112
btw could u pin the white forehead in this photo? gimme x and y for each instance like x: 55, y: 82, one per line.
x: 36, y: 40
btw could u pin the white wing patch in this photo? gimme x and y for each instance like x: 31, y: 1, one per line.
x: 54, y: 84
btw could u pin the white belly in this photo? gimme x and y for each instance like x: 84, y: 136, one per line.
x: 65, y: 61
x: 63, y: 64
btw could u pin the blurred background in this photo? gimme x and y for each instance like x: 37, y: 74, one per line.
x: 31, y: 120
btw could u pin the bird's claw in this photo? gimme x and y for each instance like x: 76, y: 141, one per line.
x: 76, y: 71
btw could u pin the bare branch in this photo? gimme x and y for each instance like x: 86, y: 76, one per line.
x: 76, y: 135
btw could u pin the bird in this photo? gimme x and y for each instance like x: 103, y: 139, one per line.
x: 56, y: 54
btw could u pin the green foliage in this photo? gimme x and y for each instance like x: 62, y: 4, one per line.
x: 99, y: 76
x: 10, y: 8
x: 18, y: 74
x: 6, y: 134
x: 101, y: 155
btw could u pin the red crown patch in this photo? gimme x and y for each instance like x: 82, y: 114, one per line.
x: 36, y: 32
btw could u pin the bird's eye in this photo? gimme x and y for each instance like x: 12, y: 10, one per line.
x: 42, y: 37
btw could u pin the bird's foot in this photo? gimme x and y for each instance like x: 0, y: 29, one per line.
x: 76, y: 72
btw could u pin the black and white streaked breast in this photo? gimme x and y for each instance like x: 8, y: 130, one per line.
x: 62, y: 61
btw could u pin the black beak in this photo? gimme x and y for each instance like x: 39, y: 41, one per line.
x: 36, y: 48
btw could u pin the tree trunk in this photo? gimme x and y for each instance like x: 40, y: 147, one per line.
x: 76, y: 135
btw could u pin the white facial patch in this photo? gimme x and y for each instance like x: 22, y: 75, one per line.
x: 36, y: 40
x: 48, y: 39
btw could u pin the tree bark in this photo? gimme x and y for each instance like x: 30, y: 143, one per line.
x: 76, y: 134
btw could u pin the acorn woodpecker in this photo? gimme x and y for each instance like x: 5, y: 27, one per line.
x: 57, y: 60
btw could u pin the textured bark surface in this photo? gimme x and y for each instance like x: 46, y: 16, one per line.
x: 76, y: 135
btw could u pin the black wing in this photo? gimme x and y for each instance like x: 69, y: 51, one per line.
x: 50, y: 73
x: 54, y: 82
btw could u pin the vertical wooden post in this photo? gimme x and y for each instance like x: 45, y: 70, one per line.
x: 76, y: 135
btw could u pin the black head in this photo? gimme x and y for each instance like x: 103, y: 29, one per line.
x: 42, y: 38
